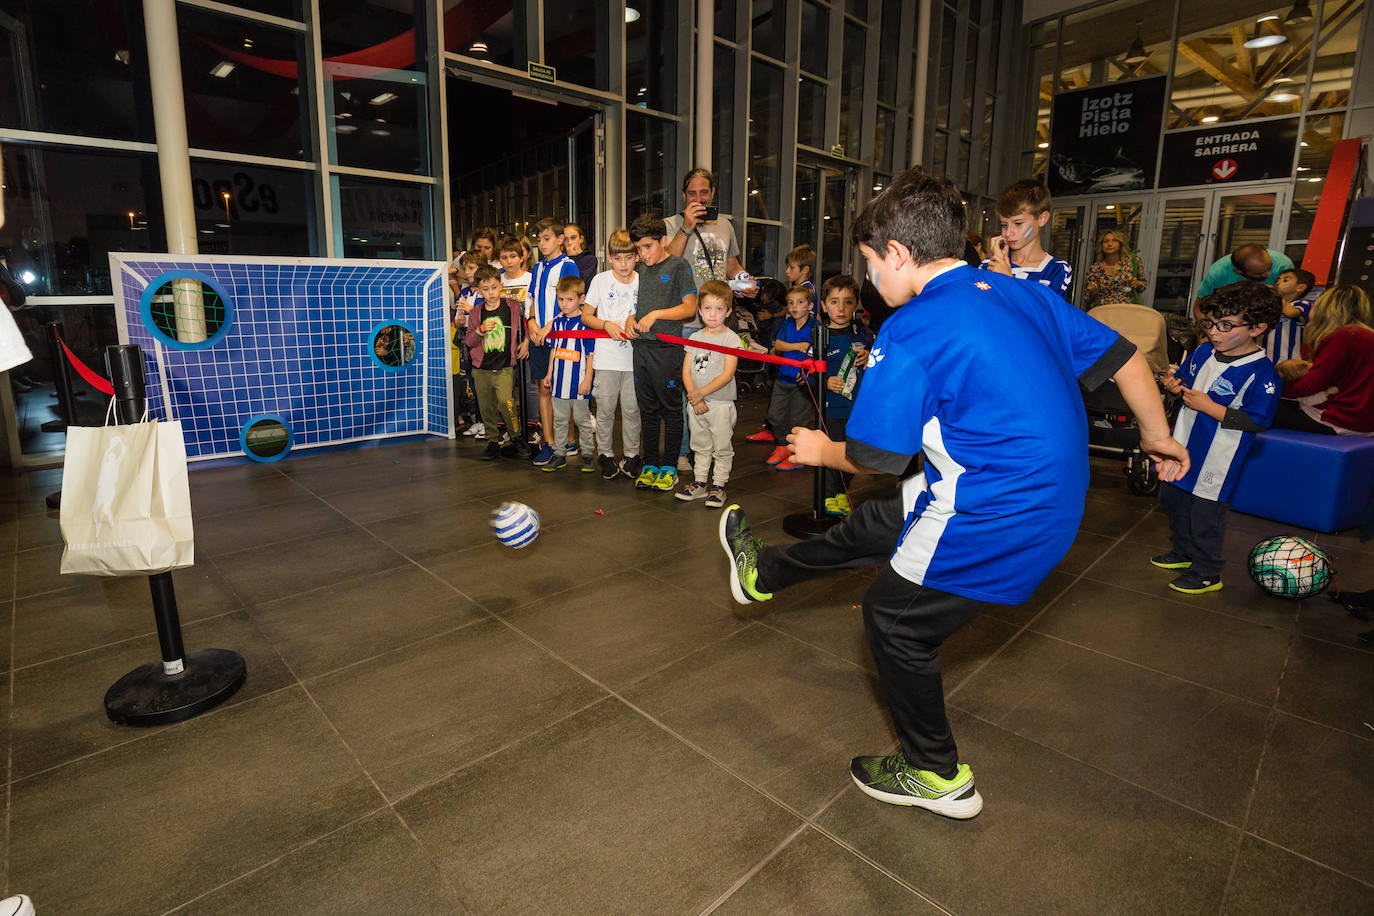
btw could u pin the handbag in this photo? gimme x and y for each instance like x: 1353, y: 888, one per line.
x: 126, y: 500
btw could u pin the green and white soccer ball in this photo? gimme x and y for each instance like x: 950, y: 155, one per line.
x: 1289, y: 567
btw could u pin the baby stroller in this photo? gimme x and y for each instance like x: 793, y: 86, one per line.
x: 751, y: 375
x: 1112, y: 428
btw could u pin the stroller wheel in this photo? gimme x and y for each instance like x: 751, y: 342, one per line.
x: 1141, y: 479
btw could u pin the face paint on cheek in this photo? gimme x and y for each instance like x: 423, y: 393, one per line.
x: 873, y: 276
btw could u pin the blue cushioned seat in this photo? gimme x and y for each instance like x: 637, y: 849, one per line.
x: 1313, y: 481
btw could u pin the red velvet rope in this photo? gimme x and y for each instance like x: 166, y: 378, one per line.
x: 806, y: 365
x: 86, y: 372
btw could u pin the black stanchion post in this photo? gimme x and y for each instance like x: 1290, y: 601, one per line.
x: 812, y: 524
x: 183, y: 684
x: 61, y: 379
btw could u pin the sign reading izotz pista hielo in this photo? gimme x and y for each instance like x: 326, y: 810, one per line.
x: 296, y: 343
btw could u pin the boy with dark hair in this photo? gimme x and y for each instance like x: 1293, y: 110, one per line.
x: 791, y: 400
x: 570, y: 378
x: 1023, y: 210
x: 667, y: 297
x: 540, y: 310
x: 1285, y: 341
x: 493, y: 339
x: 1230, y: 392
x: 980, y: 374
x: 801, y: 270
x: 848, y: 344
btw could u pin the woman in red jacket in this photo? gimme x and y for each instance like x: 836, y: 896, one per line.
x: 1335, y: 391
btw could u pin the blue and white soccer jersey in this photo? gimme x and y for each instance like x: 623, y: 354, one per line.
x: 1055, y: 274
x: 1285, y: 338
x: 568, y: 364
x: 542, y: 304
x: 1248, y: 384
x: 981, y: 373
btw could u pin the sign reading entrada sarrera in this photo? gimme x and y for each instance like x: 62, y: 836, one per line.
x: 1226, y: 154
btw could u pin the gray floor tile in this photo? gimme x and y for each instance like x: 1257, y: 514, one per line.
x: 372, y: 867
x: 59, y: 713
x: 1330, y: 684
x: 388, y: 501
x: 1085, y: 550
x: 829, y: 618
x: 1067, y: 838
x: 1021, y: 614
x: 621, y: 627
x: 6, y: 627
x: 814, y: 874
x: 1326, y: 818
x: 38, y: 530
x: 1203, y: 746
x: 234, y: 531
x: 1113, y: 515
x: 1271, y: 881
x: 376, y: 472
x: 589, y: 840
x: 359, y: 618
x: 436, y: 531
x: 417, y: 714
x: 781, y: 714
x: 1322, y: 618
x: 279, y: 570
x: 569, y: 495
x: 1218, y: 651
x: 239, y: 488
x: 180, y: 812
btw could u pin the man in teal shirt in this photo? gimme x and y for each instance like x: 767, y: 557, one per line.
x: 1248, y: 262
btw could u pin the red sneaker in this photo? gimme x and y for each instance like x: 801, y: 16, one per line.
x: 779, y: 454
x: 789, y: 466
x: 762, y: 435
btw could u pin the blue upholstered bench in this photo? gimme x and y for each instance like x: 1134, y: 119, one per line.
x: 1318, y: 482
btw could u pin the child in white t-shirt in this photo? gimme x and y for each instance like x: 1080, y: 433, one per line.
x: 610, y: 300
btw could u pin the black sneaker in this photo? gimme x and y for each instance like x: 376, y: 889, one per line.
x: 743, y: 550
x: 631, y: 465
x: 1192, y: 583
x: 587, y: 464
x: 492, y: 452
x: 1171, y: 560
x: 891, y: 779
x: 608, y: 469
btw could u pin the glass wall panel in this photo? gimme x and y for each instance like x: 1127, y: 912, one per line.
x: 761, y: 254
x: 1319, y: 137
x: 883, y: 137
x: 1181, y: 230
x: 765, y: 140
x: 1122, y: 217
x: 81, y: 74
x: 811, y: 113
x: 286, y: 9
x: 857, y: 8
x: 242, y: 85
x: 944, y: 74
x: 725, y: 19
x: 650, y: 165
x: 383, y: 219
x: 650, y: 61
x: 66, y: 210
x: 723, y: 127
x: 815, y: 37
x: 890, y: 48
x: 808, y: 205
x: 1336, y: 47
x: 486, y: 31
x: 769, y: 30
x: 373, y: 33
x: 852, y: 89
x: 966, y: 96
x: 1100, y: 43
x: 378, y: 124
x: 576, y: 33
x: 1042, y: 61
x: 252, y: 209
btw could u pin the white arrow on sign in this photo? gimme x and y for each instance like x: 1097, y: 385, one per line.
x: 1225, y: 169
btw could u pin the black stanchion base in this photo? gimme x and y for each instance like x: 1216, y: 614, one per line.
x: 146, y: 696
x: 54, y: 426
x: 53, y: 500
x: 806, y: 525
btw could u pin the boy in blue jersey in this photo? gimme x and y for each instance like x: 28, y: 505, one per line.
x: 1285, y: 341
x: 980, y: 374
x: 791, y: 400
x: 540, y: 309
x: 570, y: 377
x: 1230, y: 391
x: 801, y: 271
x: 1024, y: 210
x: 844, y: 336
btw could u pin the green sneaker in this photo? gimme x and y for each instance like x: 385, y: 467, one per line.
x: 1171, y: 560
x: 743, y: 550
x: 666, y: 479
x: 893, y: 780
x: 647, y: 475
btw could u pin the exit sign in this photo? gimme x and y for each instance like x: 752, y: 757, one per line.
x: 837, y: 151
x: 542, y: 72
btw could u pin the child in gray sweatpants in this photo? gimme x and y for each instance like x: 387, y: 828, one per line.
x: 708, y: 378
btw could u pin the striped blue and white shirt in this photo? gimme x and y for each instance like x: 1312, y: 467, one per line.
x: 568, y: 364
x: 1285, y: 338
x: 1054, y: 273
x: 1248, y: 384
x: 542, y: 304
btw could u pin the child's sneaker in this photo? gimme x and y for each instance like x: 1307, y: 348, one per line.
x: 838, y: 505
x: 691, y: 491
x: 684, y: 464
x: 893, y: 780
x: 588, y: 464
x: 788, y: 465
x: 631, y: 465
x: 647, y: 475
x: 1171, y: 560
x: 666, y: 479
x: 779, y: 455
x: 1192, y: 583
x: 608, y: 469
x: 476, y: 431
x: 715, y: 497
x: 557, y: 463
x: 544, y: 455
x: 492, y: 452
x: 763, y: 435
x: 743, y: 549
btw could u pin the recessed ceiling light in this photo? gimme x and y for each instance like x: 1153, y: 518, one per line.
x: 1111, y: 206
x: 477, y: 47
x: 383, y: 98
x: 1042, y: 145
x: 1265, y: 41
x: 1273, y: 16
x: 631, y: 14
x: 345, y: 128
x: 222, y: 69
x: 1210, y: 119
x: 1283, y: 97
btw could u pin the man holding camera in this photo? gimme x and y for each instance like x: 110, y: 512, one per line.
x: 698, y: 234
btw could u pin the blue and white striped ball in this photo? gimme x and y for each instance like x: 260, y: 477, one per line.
x: 515, y: 524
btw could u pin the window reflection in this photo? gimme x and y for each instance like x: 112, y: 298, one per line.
x: 650, y: 165
x: 765, y: 140
x: 768, y: 24
x: 252, y: 209
x: 575, y: 38
x: 650, y: 70
x: 383, y: 219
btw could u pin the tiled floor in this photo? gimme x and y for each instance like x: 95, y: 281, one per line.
x: 435, y: 724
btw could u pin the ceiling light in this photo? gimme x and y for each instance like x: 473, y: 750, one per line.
x: 1265, y: 41
x: 383, y: 98
x: 1136, y: 54
x: 222, y: 69
x: 477, y: 47
x: 248, y: 42
x: 1273, y: 16
x: 1304, y: 143
x: 344, y: 114
x: 631, y: 14
x: 28, y: 276
x: 1044, y: 144
x: 1314, y: 179
x: 1300, y: 13
x: 380, y: 132
x: 345, y: 128
x: 1283, y: 97
x: 1111, y: 206
x: 1210, y: 119
x: 877, y: 187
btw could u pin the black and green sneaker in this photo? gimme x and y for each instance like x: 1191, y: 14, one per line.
x: 893, y: 780
x: 743, y: 550
x: 1171, y: 560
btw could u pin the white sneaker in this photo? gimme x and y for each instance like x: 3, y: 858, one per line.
x: 18, y: 905
x: 476, y: 431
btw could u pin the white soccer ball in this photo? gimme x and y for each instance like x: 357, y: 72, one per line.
x: 515, y: 524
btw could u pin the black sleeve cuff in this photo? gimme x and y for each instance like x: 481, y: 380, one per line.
x: 878, y: 459
x: 1107, y: 364
x: 1236, y: 419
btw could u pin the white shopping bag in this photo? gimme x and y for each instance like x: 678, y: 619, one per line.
x: 126, y: 501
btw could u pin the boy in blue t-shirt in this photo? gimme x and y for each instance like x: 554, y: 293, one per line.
x: 570, y: 377
x: 791, y: 403
x: 840, y: 296
x: 1230, y: 391
x: 1285, y: 340
x: 1024, y: 210
x: 980, y: 374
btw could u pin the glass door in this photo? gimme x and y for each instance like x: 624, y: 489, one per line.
x: 822, y: 215
x: 1180, y: 237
